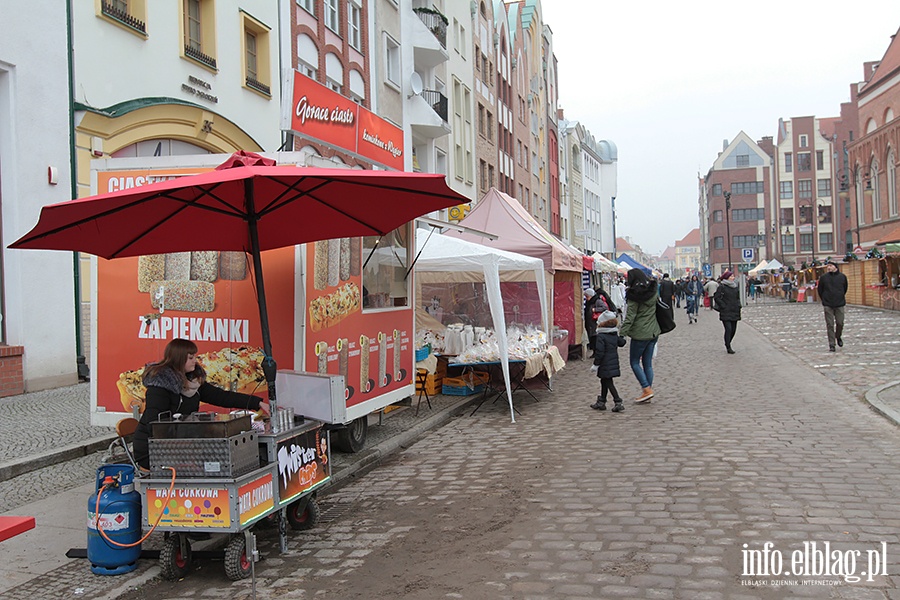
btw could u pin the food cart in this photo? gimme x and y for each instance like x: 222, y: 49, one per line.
x: 227, y: 478
x: 340, y: 310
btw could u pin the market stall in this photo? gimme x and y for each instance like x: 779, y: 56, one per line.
x: 446, y: 265
x: 517, y: 231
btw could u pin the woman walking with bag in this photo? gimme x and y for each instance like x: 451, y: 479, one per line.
x: 642, y: 327
x: 728, y: 302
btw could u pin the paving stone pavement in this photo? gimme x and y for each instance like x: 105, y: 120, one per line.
x: 655, y: 502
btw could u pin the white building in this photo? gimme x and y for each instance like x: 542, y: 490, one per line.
x: 38, y: 312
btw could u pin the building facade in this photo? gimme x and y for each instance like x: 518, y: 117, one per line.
x: 739, y: 191
x: 688, y: 255
x: 803, y: 215
x: 38, y: 345
x: 874, y: 156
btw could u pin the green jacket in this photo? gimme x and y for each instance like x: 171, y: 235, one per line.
x: 640, y: 320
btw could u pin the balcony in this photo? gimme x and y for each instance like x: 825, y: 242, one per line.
x: 122, y: 16
x: 438, y: 102
x: 428, y: 37
x: 428, y: 113
x: 435, y: 22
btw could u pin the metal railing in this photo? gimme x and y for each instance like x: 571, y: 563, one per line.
x: 199, y: 56
x: 435, y: 22
x: 258, y: 86
x: 113, y: 12
x: 438, y: 102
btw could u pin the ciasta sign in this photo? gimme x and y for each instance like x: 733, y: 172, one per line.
x: 322, y: 114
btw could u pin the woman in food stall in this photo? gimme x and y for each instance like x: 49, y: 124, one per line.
x: 177, y: 384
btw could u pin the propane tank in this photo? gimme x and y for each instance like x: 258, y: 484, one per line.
x: 120, y: 520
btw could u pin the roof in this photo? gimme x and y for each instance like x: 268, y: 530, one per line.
x: 668, y: 254
x: 891, y: 237
x: 887, y: 67
x: 691, y: 239
x: 621, y: 244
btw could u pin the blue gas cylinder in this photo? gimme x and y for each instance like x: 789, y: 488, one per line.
x: 120, y: 520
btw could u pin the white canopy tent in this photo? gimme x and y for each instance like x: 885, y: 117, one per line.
x: 603, y: 264
x: 443, y: 259
x: 757, y: 268
x: 773, y: 265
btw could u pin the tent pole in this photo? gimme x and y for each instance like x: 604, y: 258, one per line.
x: 269, y: 366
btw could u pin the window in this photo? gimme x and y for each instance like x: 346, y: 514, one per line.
x: 490, y: 127
x: 747, y: 187
x: 490, y: 175
x: 482, y: 175
x: 384, y: 275
x: 480, y: 118
x: 459, y: 167
x: 199, y: 31
x: 788, y: 163
x: 747, y: 241
x: 392, y: 60
x: 804, y: 188
x: 307, y: 55
x: 826, y: 241
x: 357, y: 86
x: 308, y: 5
x: 334, y: 72
x: 742, y: 160
x: 892, y: 185
x: 787, y: 216
x: 353, y: 19
x: 331, y: 16
x: 786, y: 190
x: 131, y: 15
x: 804, y: 141
x: 824, y: 188
x: 717, y: 216
x: 787, y: 243
x: 717, y: 189
x: 256, y: 56
x: 719, y: 242
x: 820, y: 160
x: 467, y: 111
x: 806, y: 242
x: 804, y: 162
x: 440, y: 161
x: 748, y: 214
x: 876, y: 192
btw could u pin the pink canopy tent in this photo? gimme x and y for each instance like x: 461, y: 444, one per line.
x: 517, y: 231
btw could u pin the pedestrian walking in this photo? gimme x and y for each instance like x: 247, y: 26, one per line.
x: 590, y: 319
x: 641, y: 326
x: 693, y: 293
x: 606, y: 360
x: 710, y: 288
x: 667, y: 294
x: 679, y: 291
x: 727, y: 301
x: 617, y: 294
x: 832, y: 286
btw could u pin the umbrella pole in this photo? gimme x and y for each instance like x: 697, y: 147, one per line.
x: 269, y: 366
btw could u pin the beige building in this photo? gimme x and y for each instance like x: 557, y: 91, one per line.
x: 688, y: 255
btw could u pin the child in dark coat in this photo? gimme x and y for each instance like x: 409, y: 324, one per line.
x: 606, y: 359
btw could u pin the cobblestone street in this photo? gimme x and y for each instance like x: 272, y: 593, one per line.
x: 655, y: 502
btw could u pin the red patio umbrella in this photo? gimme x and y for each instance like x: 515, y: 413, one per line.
x: 248, y: 204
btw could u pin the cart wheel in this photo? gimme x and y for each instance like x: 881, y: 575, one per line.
x: 352, y: 438
x: 302, y: 517
x: 174, y: 563
x: 237, y: 563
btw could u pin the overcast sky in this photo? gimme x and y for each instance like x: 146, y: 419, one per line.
x: 669, y: 81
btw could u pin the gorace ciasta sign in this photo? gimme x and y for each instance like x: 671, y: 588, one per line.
x: 320, y: 113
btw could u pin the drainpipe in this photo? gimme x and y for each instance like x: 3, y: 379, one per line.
x: 81, y: 364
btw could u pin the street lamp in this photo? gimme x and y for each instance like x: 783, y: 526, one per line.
x: 728, y: 225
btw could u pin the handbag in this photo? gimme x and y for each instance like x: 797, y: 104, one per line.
x: 664, y: 317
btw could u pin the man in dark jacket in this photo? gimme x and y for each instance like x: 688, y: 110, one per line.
x: 667, y: 294
x: 832, y: 286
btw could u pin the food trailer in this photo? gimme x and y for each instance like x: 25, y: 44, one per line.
x: 338, y: 309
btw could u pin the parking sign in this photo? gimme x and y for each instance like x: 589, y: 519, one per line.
x: 747, y: 254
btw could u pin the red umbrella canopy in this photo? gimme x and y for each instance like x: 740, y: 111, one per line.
x: 215, y: 210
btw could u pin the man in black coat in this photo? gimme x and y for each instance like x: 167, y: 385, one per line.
x: 832, y: 286
x: 667, y: 294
